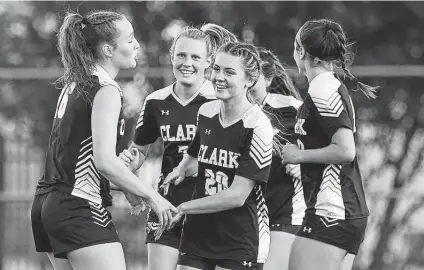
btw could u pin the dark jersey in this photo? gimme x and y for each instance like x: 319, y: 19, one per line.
x: 244, y: 148
x: 165, y: 115
x: 331, y: 190
x: 284, y: 196
x: 69, y: 165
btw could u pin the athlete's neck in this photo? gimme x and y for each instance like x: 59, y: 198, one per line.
x: 233, y: 108
x: 260, y: 97
x: 312, y: 72
x: 111, y: 70
x: 185, y: 92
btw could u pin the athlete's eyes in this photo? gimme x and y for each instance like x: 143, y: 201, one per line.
x: 215, y: 68
x: 196, y: 57
x: 181, y: 55
x: 229, y: 72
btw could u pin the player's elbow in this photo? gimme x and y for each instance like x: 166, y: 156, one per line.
x: 238, y: 198
x: 348, y: 154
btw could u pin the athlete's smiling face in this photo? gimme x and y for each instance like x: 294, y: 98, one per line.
x: 229, y: 76
x: 189, y: 60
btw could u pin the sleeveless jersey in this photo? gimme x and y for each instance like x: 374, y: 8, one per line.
x: 69, y: 164
x: 331, y: 190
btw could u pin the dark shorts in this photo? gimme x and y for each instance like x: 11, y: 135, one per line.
x: 281, y: 227
x: 62, y: 223
x: 346, y: 234
x: 177, y: 195
x: 210, y: 264
x: 169, y: 238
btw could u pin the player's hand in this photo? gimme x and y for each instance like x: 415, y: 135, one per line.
x: 294, y: 171
x: 178, y: 216
x: 131, y: 158
x: 291, y: 154
x: 138, y: 204
x: 164, y: 211
x: 175, y: 177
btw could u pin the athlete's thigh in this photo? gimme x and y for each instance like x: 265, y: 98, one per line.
x: 161, y: 257
x: 109, y: 256
x: 185, y: 267
x: 310, y: 254
x: 347, y: 263
x: 279, y: 251
x: 59, y: 264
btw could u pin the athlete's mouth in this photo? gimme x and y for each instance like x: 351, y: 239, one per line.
x: 186, y: 72
x: 220, y: 87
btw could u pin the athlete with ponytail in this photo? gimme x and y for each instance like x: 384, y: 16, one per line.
x: 337, y: 212
x: 69, y: 216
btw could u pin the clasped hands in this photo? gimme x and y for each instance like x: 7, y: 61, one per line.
x: 167, y: 217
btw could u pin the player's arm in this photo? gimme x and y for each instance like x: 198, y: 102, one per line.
x: 146, y: 135
x: 337, y: 127
x: 341, y: 150
x: 254, y: 165
x: 187, y: 167
x: 232, y: 197
x: 151, y: 167
x: 104, y: 119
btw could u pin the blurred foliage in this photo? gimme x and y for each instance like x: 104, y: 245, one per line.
x: 389, y: 128
x: 385, y: 32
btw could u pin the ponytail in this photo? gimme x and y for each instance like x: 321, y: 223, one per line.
x: 369, y: 91
x: 77, y: 59
x: 78, y: 39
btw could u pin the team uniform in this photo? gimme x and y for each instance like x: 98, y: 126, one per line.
x: 69, y: 211
x: 336, y: 208
x: 165, y: 115
x: 284, y: 196
x: 237, y: 238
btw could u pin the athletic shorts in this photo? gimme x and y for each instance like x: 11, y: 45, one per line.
x: 346, y: 234
x: 281, y: 227
x: 62, y: 223
x: 177, y: 195
x: 210, y: 264
x: 170, y: 238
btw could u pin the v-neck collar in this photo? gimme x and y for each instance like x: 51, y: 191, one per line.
x: 221, y: 121
x: 191, y: 98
